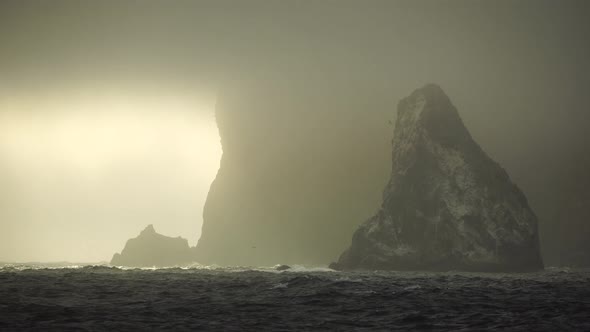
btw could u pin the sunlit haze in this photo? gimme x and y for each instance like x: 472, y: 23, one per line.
x: 294, y: 165
x: 81, y: 175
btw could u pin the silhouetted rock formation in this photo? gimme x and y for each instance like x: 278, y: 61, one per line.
x: 296, y: 176
x: 153, y: 249
x: 447, y: 206
x: 282, y: 267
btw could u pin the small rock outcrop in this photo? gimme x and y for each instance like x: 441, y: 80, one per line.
x: 282, y: 267
x: 447, y: 206
x: 153, y: 249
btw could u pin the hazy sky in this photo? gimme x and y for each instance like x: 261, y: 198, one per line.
x: 82, y: 175
x: 106, y: 120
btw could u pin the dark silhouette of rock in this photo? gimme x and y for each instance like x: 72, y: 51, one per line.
x: 153, y: 249
x: 447, y: 206
x: 281, y: 267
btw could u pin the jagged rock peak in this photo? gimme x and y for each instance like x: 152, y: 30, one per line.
x: 447, y: 204
x: 430, y: 109
x: 149, y: 230
x: 153, y: 249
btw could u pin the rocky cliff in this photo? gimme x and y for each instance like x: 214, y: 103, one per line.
x: 153, y: 249
x: 296, y: 174
x: 447, y: 204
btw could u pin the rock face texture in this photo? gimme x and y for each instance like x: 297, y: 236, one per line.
x: 447, y: 206
x: 153, y: 249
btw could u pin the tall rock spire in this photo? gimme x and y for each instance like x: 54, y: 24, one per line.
x: 447, y: 205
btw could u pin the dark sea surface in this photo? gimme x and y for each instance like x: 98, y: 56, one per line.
x: 232, y: 299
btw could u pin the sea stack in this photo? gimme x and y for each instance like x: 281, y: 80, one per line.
x: 294, y: 159
x: 447, y: 205
x: 151, y: 249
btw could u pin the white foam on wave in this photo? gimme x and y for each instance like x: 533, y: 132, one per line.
x: 301, y: 268
x: 45, y: 266
x: 280, y: 285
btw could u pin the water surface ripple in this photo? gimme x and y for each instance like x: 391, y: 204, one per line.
x: 227, y: 299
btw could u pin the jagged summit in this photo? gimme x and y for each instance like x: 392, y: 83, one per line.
x: 153, y: 249
x: 447, y: 205
x: 149, y: 230
x: 431, y: 109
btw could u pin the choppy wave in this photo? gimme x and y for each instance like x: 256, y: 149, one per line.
x: 95, y: 297
x: 194, y: 266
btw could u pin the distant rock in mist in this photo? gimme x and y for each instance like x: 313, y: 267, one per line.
x: 447, y: 206
x: 301, y: 167
x: 153, y: 249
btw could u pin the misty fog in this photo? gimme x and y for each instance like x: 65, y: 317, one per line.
x: 81, y: 175
x: 106, y: 108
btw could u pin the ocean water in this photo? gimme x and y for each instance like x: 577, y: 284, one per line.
x: 257, y: 299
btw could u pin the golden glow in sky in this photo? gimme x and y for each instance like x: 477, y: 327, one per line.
x: 102, y: 169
